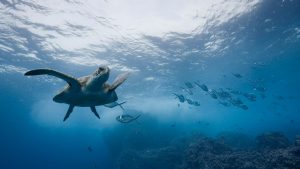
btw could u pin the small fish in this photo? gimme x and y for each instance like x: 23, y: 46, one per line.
x: 223, y: 94
x: 236, y: 102
x: 114, y: 104
x: 202, y: 86
x: 196, y: 103
x: 126, y: 118
x: 90, y: 149
x: 237, y: 75
x: 244, y: 107
x: 189, y: 101
x: 180, y: 97
x: 213, y: 94
x: 189, y: 85
x: 226, y: 104
x: 250, y: 96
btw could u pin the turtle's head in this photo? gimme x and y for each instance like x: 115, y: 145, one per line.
x: 101, y: 74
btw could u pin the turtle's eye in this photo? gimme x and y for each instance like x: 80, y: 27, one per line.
x: 101, y: 68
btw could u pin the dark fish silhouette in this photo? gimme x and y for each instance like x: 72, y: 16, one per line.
x: 189, y: 85
x: 244, y: 107
x: 223, y: 94
x: 189, y: 101
x: 226, y: 104
x: 250, y: 96
x: 90, y: 149
x: 196, y: 103
x: 202, y: 86
x: 213, y: 94
x: 236, y: 102
x: 237, y: 75
x: 180, y: 97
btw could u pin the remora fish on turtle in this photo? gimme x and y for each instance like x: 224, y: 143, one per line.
x: 86, y: 91
x: 126, y: 118
x: 114, y: 104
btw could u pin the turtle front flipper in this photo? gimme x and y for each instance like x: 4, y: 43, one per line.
x: 73, y: 82
x: 70, y: 110
x: 93, y: 108
x: 118, y: 81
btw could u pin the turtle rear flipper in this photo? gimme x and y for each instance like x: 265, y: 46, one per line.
x: 70, y: 110
x: 93, y: 108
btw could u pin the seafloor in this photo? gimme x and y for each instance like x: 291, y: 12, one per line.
x: 270, y: 150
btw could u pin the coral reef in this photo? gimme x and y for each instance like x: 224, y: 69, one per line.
x: 272, y: 140
x: 272, y: 151
x: 237, y: 141
x: 285, y: 158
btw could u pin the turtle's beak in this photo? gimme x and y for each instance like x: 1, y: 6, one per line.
x: 102, y: 70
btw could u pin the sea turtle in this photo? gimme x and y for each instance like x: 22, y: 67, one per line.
x: 86, y: 91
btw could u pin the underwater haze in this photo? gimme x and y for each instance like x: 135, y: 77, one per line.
x: 215, y: 84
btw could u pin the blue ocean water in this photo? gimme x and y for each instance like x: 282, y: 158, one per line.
x: 245, y: 52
